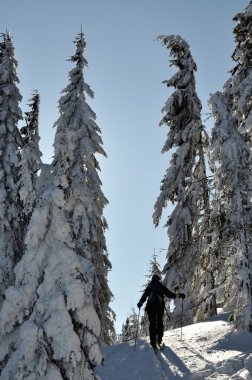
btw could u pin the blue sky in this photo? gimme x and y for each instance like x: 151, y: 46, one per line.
x: 126, y: 70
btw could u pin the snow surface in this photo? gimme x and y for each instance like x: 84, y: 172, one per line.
x: 208, y: 350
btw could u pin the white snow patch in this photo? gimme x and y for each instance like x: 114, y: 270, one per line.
x: 210, y: 350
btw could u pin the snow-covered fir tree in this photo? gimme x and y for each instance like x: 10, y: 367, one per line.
x: 75, y: 167
x: 124, y: 334
x: 30, y: 158
x: 129, y: 328
x: 233, y: 231
x: 51, y: 320
x: 154, y: 268
x: 185, y: 182
x: 233, y: 111
x: 11, y: 237
x: 239, y: 87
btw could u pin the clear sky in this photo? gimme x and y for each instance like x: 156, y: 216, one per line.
x: 126, y: 70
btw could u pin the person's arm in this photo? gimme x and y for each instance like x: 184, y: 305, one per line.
x: 144, y: 297
x: 170, y: 294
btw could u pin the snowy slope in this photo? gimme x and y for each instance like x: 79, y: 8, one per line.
x: 208, y: 350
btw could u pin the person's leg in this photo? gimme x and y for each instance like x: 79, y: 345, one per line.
x: 160, y: 325
x: 152, y: 325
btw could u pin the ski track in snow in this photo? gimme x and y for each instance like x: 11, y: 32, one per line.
x: 209, y: 350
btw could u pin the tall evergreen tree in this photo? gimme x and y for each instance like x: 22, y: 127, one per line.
x: 75, y: 167
x: 239, y: 87
x: 154, y: 268
x: 53, y: 329
x: 30, y: 158
x: 233, y: 181
x: 185, y: 182
x: 10, y: 143
x: 237, y: 102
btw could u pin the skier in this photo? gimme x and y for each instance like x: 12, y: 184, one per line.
x: 155, y: 292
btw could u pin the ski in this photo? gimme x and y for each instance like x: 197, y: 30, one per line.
x: 161, y: 346
x: 158, y: 348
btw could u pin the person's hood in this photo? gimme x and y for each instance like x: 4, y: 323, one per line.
x: 155, y: 278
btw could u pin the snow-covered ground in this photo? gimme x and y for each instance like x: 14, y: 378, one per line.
x: 208, y: 350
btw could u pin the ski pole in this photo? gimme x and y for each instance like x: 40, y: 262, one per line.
x: 137, y: 329
x: 182, y: 311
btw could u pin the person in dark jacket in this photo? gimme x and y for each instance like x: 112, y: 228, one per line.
x: 155, y: 293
